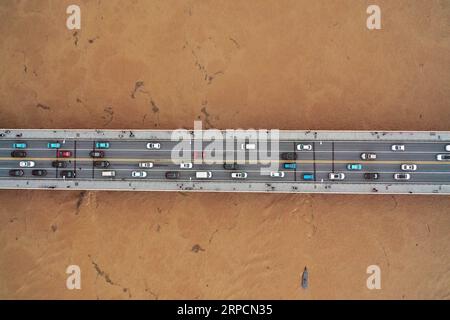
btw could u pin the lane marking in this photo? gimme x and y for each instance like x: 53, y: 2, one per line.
x: 245, y: 163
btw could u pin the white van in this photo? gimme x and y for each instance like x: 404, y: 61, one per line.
x: 248, y: 146
x: 108, y: 173
x: 203, y: 174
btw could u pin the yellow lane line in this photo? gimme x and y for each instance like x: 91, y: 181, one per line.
x: 248, y: 162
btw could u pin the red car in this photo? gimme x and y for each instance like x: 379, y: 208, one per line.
x: 65, y: 154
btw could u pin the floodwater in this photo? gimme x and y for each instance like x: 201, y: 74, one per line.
x: 232, y: 64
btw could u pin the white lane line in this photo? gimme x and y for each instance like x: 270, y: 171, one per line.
x: 86, y: 169
x: 238, y: 150
x: 359, y: 182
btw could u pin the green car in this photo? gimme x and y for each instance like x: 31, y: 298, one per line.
x: 19, y: 145
x: 54, y: 145
x: 354, y: 166
x: 102, y: 145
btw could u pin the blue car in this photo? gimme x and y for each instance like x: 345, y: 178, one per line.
x: 308, y: 176
x: 102, y: 145
x: 354, y: 166
x: 54, y: 145
x: 290, y: 165
x: 19, y: 145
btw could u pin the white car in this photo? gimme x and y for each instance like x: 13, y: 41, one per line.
x: 185, y: 165
x: 153, y: 145
x: 277, y: 174
x: 145, y: 164
x: 138, y: 174
x: 402, y: 176
x: 408, y: 167
x: 368, y: 156
x: 203, y: 174
x: 248, y: 146
x: 27, y: 164
x: 239, y: 175
x: 336, y: 176
x: 398, y: 147
x: 443, y: 157
x: 447, y: 147
x: 304, y: 147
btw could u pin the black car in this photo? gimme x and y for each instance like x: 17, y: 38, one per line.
x: 371, y: 176
x: 289, y: 156
x: 101, y: 164
x: 39, y: 172
x: 172, y: 175
x: 16, y: 173
x: 18, y: 154
x: 59, y: 164
x: 67, y: 174
x: 97, y: 154
x: 230, y: 166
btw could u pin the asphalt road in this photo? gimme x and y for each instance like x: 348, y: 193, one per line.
x: 327, y: 156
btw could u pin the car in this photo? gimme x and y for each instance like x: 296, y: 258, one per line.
x: 277, y: 174
x: 248, y: 146
x: 336, y: 176
x: 408, y: 167
x: 304, y: 147
x: 59, y: 164
x: 292, y: 165
x: 371, y: 176
x: 19, y: 145
x: 108, y: 173
x: 18, y: 154
x: 203, y: 174
x: 16, y: 173
x: 289, y: 156
x: 97, y: 154
x: 443, y: 157
x: 27, y: 164
x: 402, y: 176
x: 172, y: 175
x: 64, y: 154
x: 145, y: 164
x: 308, y: 176
x: 102, y: 145
x: 354, y: 166
x: 239, y: 175
x: 138, y: 174
x: 185, y: 165
x: 101, y: 164
x: 398, y: 147
x: 53, y: 145
x: 39, y: 172
x: 447, y: 147
x: 153, y: 145
x: 368, y: 156
x: 67, y: 174
x: 230, y: 166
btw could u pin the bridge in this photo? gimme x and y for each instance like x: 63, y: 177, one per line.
x: 63, y: 160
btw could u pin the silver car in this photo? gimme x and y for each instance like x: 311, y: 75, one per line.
x: 408, y: 167
x: 27, y: 164
x: 398, y: 147
x: 336, y: 176
x: 185, y: 165
x: 138, y: 174
x: 368, y: 156
x: 402, y: 176
x: 304, y: 147
x: 277, y: 174
x: 153, y: 145
x: 239, y: 175
x: 145, y: 164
